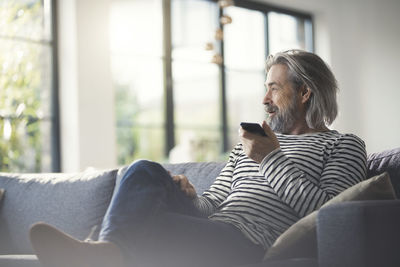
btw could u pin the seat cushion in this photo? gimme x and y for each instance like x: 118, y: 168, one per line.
x: 19, y: 261
x: 300, y: 262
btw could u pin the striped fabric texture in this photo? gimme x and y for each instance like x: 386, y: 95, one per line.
x: 263, y: 200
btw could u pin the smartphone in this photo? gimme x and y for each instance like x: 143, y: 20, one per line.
x: 253, y: 128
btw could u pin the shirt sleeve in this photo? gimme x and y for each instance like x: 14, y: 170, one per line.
x: 210, y: 200
x: 345, y: 166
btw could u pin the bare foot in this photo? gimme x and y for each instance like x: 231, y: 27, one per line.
x: 55, y: 248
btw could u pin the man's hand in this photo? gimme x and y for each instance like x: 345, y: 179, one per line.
x: 257, y: 147
x: 185, y: 185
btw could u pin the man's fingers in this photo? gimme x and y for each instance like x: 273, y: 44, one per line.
x: 175, y: 178
x: 267, y: 129
x: 184, y: 183
x: 181, y: 179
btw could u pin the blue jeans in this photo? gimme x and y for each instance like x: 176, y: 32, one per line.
x: 155, y: 224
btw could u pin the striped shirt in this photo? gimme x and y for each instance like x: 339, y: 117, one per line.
x: 265, y: 199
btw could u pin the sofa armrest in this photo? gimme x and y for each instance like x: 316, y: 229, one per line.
x: 359, y: 234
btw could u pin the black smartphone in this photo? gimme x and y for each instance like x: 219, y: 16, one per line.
x: 253, y: 128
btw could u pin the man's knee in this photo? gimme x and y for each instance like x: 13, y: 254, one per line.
x: 145, y: 164
x: 145, y: 169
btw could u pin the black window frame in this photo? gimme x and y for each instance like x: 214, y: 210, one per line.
x: 55, y: 105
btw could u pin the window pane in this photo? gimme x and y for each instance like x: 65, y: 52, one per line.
x: 27, y: 19
x: 139, y: 85
x: 244, y: 48
x: 196, y: 94
x: 245, y: 94
x: 195, y: 82
x: 139, y: 142
x: 189, y: 36
x: 26, y: 87
x: 24, y: 145
x: 139, y: 106
x: 288, y: 32
x: 136, y: 63
x: 196, y: 144
x: 25, y: 79
x: 196, y: 104
x: 136, y: 27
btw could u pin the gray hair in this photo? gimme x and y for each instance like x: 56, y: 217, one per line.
x: 310, y: 70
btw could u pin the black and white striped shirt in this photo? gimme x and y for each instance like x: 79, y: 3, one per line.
x: 263, y: 200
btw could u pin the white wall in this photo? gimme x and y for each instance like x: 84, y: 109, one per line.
x: 86, y: 92
x: 360, y: 40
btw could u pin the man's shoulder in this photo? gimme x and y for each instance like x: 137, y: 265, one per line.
x: 350, y: 138
x: 331, y: 138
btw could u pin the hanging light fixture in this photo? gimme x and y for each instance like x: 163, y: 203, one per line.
x: 217, y: 59
x: 219, y: 34
x: 209, y: 46
x: 225, y: 3
x: 225, y: 19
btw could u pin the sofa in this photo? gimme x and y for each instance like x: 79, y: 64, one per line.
x: 351, y: 233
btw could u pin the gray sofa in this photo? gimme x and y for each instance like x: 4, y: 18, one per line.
x: 77, y: 202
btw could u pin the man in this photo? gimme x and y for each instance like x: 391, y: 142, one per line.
x: 269, y: 183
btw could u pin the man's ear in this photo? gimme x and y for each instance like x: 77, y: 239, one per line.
x: 305, y: 94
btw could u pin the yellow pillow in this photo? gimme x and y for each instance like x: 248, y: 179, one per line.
x: 300, y: 239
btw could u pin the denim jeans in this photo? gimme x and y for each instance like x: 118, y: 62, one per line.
x: 155, y: 224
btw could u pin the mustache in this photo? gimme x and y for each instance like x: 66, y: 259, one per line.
x: 270, y: 108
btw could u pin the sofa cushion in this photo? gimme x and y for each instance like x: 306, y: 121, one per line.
x: 389, y: 161
x: 72, y: 202
x: 300, y: 240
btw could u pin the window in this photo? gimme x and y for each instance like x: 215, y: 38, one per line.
x: 28, y: 108
x: 137, y: 66
x: 173, y: 103
x: 195, y: 82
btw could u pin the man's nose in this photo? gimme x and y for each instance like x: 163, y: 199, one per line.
x: 267, y: 97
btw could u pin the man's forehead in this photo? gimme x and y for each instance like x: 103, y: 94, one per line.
x: 277, y: 75
x: 272, y: 83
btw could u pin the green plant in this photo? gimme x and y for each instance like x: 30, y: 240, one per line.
x: 21, y: 82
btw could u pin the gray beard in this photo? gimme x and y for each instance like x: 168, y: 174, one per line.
x: 284, y: 120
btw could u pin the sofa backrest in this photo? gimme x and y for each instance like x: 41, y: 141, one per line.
x: 73, y: 202
x: 389, y: 161
x: 201, y: 175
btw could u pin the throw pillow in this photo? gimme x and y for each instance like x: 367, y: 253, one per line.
x: 300, y: 240
x: 386, y: 161
x: 73, y: 202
